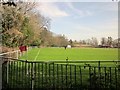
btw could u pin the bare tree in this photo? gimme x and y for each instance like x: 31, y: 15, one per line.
x: 94, y: 41
x: 110, y: 41
x: 103, y: 41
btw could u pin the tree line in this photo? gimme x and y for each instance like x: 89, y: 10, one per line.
x: 22, y: 24
x: 93, y: 42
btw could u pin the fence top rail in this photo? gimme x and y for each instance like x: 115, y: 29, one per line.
x: 9, y: 52
x: 60, y: 61
x: 63, y: 63
x: 81, y: 61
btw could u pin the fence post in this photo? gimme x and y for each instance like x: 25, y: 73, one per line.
x: 42, y: 76
x: 90, y: 76
x: 98, y: 63
x: 58, y: 75
x: 53, y: 76
x: 105, y: 76
x: 66, y: 76
x: 115, y: 78
x: 46, y: 72
x: 0, y: 73
x: 80, y: 75
x: 70, y: 75
x: 110, y: 77
x: 49, y: 72
x: 62, y: 75
x: 75, y: 73
x: 32, y: 76
x: 7, y: 71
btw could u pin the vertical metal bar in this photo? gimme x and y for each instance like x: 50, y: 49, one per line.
x: 14, y: 74
x: 53, y: 76
x: 28, y: 74
x: 10, y: 71
x: 0, y: 73
x: 46, y: 73
x: 3, y: 74
x: 95, y: 71
x: 105, y: 76
x: 13, y: 71
x: 100, y: 76
x: 17, y: 71
x: 115, y: 78
x: 4, y: 81
x: 58, y: 75
x: 94, y: 75
x: 18, y: 78
x: 27, y: 67
x: 7, y: 72
x: 22, y: 65
x: 49, y: 73
x: 80, y: 75
x: 98, y: 63
x: 42, y: 75
x: 32, y: 75
x: 11, y: 74
x: 22, y: 77
x: 90, y: 76
x: 70, y: 75
x: 66, y: 76
x: 61, y: 75
x: 110, y: 77
x: 35, y: 71
x: 39, y: 74
x: 75, y: 73
x: 99, y: 73
x: 25, y: 73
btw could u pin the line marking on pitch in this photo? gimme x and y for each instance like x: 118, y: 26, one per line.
x: 37, y: 55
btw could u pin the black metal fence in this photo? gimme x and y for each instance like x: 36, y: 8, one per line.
x: 58, y: 75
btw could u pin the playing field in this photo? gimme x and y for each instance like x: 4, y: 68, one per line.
x: 51, y: 73
x: 49, y: 54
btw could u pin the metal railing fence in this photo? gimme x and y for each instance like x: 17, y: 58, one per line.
x: 58, y: 75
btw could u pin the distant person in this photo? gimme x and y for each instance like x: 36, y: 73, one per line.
x: 22, y: 48
x: 65, y: 47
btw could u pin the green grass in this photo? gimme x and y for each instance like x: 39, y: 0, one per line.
x: 49, y: 54
x: 62, y: 74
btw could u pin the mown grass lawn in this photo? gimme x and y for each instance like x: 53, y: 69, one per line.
x: 48, y: 54
x: 65, y: 74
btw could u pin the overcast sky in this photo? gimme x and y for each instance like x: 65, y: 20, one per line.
x: 82, y: 20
